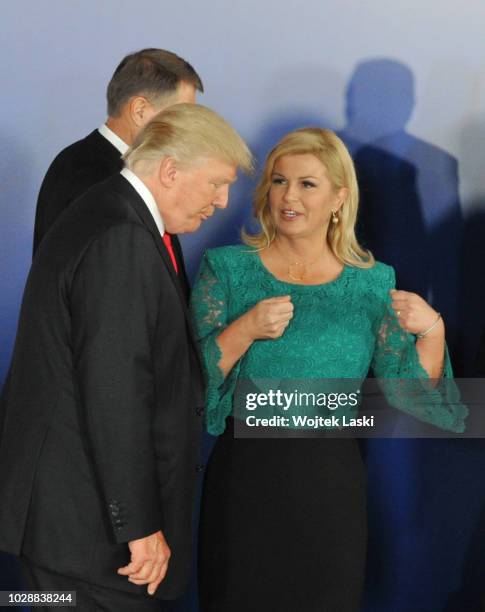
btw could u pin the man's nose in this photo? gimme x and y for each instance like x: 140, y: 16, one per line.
x: 222, y: 198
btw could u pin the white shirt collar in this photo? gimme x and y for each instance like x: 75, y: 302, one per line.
x: 113, y: 138
x: 146, y: 195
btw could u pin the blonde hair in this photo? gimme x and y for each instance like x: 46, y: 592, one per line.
x: 327, y: 147
x: 188, y: 133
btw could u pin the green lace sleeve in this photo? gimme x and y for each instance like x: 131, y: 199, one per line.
x: 403, y: 379
x: 209, y: 312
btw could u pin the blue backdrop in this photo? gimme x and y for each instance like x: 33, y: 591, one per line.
x: 405, y: 87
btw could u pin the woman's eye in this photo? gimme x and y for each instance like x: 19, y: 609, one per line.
x: 277, y: 181
x: 308, y: 184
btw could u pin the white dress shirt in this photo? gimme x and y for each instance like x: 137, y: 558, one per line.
x: 113, y: 138
x: 146, y: 195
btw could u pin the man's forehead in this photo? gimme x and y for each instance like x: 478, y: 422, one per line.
x: 229, y: 176
x: 218, y: 169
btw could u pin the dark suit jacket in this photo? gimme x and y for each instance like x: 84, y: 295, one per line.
x: 103, y: 402
x: 77, y: 168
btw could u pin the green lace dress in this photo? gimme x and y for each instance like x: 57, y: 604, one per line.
x: 283, y: 520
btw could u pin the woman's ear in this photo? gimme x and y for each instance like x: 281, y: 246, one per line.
x: 342, y: 195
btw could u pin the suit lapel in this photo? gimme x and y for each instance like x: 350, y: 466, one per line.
x: 141, y: 209
x: 182, y: 275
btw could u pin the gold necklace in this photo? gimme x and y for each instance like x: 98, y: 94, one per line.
x: 297, y: 270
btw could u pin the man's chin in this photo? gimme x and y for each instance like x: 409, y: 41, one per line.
x: 191, y: 225
x: 197, y: 223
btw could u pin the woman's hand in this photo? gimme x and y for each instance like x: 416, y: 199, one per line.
x: 269, y: 318
x: 415, y: 315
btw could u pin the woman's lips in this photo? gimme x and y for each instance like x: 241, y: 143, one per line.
x: 289, y: 215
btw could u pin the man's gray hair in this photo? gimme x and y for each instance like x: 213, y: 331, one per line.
x: 152, y: 73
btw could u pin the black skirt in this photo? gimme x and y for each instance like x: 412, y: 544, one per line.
x: 283, y: 526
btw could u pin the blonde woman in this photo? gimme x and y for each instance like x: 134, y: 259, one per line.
x: 283, y: 522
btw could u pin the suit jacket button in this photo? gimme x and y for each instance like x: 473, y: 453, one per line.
x: 199, y: 467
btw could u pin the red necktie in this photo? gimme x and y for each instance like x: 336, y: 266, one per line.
x: 167, y: 240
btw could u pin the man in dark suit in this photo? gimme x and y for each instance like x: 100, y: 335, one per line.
x: 101, y: 412
x: 143, y: 84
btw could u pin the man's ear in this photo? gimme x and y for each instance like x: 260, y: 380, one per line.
x: 141, y: 110
x: 168, y: 172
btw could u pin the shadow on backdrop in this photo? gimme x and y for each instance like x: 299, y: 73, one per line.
x: 471, y: 338
x: 425, y: 496
x: 470, y: 136
x: 410, y: 210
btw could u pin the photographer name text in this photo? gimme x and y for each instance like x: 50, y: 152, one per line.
x: 305, y: 422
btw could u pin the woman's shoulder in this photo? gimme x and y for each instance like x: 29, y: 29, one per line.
x: 230, y: 255
x: 380, y: 276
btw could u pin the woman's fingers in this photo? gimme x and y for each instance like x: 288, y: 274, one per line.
x: 414, y: 314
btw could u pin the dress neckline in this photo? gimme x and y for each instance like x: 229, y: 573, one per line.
x: 335, y: 281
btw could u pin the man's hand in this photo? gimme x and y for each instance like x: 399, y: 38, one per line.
x: 149, y: 561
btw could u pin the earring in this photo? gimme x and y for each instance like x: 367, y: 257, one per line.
x: 334, y: 217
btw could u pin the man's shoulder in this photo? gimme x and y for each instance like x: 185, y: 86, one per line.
x: 82, y: 240
x: 111, y: 198
x: 74, y: 170
x: 85, y: 153
x: 107, y: 207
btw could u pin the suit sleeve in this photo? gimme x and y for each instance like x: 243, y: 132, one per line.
x: 114, y: 301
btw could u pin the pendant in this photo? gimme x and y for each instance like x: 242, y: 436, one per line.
x: 297, y: 271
